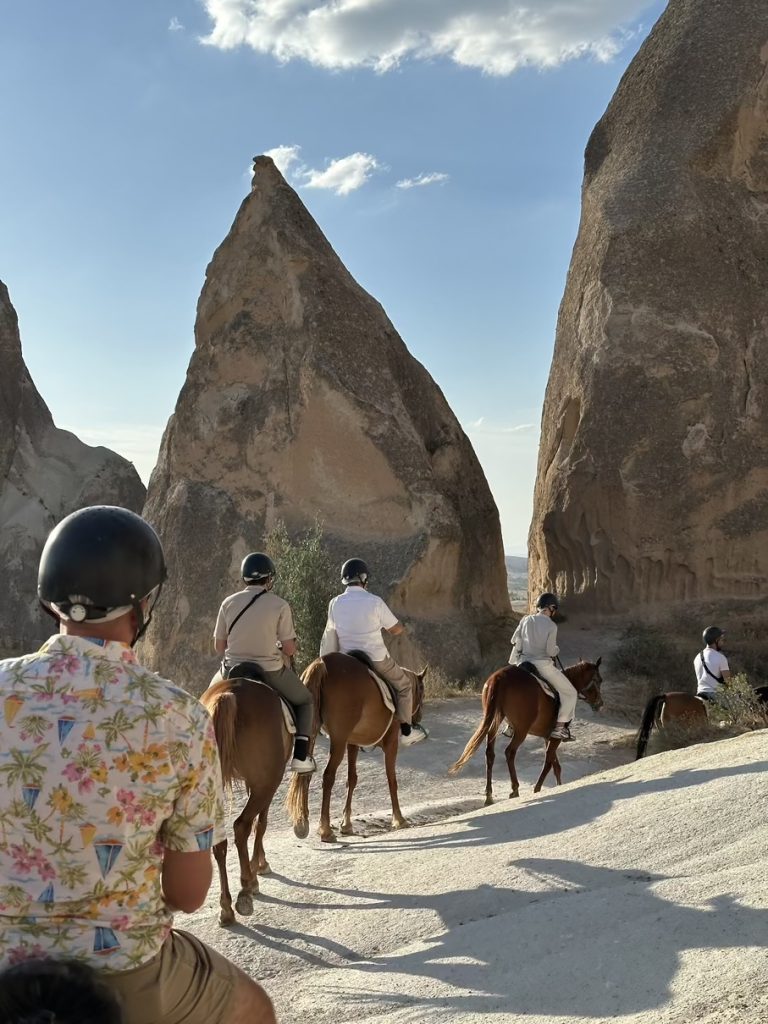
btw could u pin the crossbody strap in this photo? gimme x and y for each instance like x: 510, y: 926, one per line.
x: 708, y: 670
x: 242, y: 611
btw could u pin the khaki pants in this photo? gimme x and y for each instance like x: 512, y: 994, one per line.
x: 186, y: 983
x: 564, y: 687
x: 389, y: 669
x: 288, y: 685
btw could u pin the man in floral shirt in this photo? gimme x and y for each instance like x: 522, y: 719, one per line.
x: 110, y: 789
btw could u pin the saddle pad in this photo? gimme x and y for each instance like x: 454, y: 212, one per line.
x: 386, y: 692
x: 285, y: 707
x: 550, y: 691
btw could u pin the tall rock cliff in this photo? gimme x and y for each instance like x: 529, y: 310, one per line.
x: 45, y: 474
x: 653, y: 466
x: 301, y: 401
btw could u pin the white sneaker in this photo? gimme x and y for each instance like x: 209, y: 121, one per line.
x: 303, y: 767
x: 507, y: 730
x: 416, y: 735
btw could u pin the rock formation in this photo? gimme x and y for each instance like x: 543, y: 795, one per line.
x: 45, y: 474
x: 653, y: 466
x: 301, y: 401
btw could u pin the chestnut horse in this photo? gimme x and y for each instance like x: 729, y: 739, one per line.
x: 254, y: 746
x: 349, y: 705
x: 515, y: 694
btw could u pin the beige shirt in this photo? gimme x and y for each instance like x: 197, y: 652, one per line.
x: 256, y: 632
x: 535, y: 639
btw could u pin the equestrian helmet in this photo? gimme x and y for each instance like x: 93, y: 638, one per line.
x: 712, y: 634
x: 548, y: 601
x: 354, y: 570
x: 99, y: 563
x: 257, y: 568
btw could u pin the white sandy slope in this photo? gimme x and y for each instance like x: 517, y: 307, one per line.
x: 634, y: 894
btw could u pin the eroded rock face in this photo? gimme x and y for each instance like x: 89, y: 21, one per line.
x: 45, y: 473
x: 301, y: 401
x: 653, y: 466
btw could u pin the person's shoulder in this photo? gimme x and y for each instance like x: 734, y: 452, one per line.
x: 275, y: 600
x: 174, y: 699
x: 11, y: 668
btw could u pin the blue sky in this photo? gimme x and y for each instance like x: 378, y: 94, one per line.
x: 128, y: 130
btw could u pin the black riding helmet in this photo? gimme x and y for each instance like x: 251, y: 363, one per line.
x: 548, y: 601
x: 712, y: 634
x: 354, y: 570
x: 257, y: 568
x: 99, y: 563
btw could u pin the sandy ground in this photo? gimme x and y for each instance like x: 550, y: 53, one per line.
x: 633, y: 892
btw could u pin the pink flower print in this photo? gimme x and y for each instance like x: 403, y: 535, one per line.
x: 22, y: 861
x: 121, y: 924
x: 126, y: 797
x: 85, y: 785
x: 69, y: 698
x: 21, y: 953
x: 66, y: 663
x: 44, y: 867
x: 147, y: 817
x: 73, y: 772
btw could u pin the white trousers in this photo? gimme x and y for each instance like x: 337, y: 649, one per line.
x: 566, y: 689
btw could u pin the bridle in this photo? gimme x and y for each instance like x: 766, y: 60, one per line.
x: 593, y: 684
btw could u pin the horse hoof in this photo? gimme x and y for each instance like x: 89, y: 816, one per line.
x: 488, y: 801
x: 301, y: 829
x: 347, y: 830
x: 244, y: 904
x: 264, y: 869
x: 226, y: 919
x: 514, y: 795
x: 401, y: 823
x: 537, y: 789
x: 328, y: 837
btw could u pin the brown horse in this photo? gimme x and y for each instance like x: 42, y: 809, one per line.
x: 514, y: 694
x: 661, y: 709
x: 254, y: 746
x: 350, y: 708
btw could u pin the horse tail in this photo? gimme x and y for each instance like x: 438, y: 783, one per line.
x: 650, y: 716
x: 296, y: 798
x: 222, y: 705
x: 489, y: 721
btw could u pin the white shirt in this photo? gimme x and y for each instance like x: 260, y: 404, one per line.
x: 535, y: 639
x: 717, y: 663
x: 358, y: 618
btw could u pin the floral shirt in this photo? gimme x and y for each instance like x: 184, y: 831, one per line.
x: 102, y: 765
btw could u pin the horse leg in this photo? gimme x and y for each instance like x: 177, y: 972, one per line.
x: 249, y: 882
x: 259, y: 863
x: 550, y: 757
x: 329, y: 777
x: 558, y: 768
x: 490, y: 757
x: 227, y: 915
x: 346, y: 821
x: 510, y: 753
x: 390, y: 747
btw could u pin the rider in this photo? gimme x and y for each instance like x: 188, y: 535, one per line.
x: 711, y: 665
x: 358, y: 618
x: 256, y: 625
x: 108, y: 826
x: 535, y: 640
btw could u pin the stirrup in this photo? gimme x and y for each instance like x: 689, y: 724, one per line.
x: 561, y: 732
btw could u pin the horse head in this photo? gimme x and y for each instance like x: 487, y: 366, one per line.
x: 588, y: 682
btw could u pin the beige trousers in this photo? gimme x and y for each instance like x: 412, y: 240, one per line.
x: 564, y: 687
x: 389, y: 669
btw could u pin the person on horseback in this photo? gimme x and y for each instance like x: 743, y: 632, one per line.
x: 256, y: 625
x: 358, y: 618
x: 535, y: 640
x: 711, y: 665
x: 109, y: 827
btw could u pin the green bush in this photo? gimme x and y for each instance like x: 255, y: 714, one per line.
x: 306, y: 579
x: 737, y: 704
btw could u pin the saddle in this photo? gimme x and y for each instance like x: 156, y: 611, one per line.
x: 255, y: 674
x: 530, y: 668
x: 388, y: 694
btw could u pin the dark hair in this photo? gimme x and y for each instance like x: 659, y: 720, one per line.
x: 56, y: 991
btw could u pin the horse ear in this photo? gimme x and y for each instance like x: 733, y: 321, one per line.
x: 420, y: 675
x: 597, y: 663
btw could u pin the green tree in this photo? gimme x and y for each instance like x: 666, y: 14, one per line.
x: 306, y: 578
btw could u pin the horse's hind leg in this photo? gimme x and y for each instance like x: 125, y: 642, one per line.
x: 259, y: 864
x: 227, y: 915
x: 249, y: 882
x: 329, y: 777
x: 550, y: 758
x: 558, y: 769
x: 389, y: 747
x: 346, y: 821
x: 510, y: 753
x: 490, y: 757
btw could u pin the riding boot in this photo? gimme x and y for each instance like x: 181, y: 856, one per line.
x: 302, y: 761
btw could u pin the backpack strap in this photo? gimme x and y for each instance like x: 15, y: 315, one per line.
x: 242, y: 611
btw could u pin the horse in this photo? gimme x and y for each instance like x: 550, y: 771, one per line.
x: 690, y: 709
x: 349, y: 705
x: 254, y: 747
x: 515, y: 694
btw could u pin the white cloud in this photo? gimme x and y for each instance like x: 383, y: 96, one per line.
x: 497, y: 36
x: 482, y: 426
x: 434, y: 178
x: 284, y: 156
x: 344, y: 175
x: 174, y: 25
